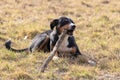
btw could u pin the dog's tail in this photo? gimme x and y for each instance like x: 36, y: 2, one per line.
x: 8, y: 46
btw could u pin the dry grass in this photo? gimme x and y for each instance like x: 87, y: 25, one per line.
x: 97, y: 35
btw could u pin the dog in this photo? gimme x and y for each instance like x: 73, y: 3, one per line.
x: 46, y: 41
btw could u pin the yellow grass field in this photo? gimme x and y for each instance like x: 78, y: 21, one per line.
x: 97, y: 35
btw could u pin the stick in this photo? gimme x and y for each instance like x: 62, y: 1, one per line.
x: 62, y: 36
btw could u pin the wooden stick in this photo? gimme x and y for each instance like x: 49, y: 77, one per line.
x: 62, y: 36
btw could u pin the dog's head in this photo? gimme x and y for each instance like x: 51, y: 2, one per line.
x: 63, y: 23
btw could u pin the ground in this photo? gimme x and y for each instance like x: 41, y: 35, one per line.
x: 97, y: 35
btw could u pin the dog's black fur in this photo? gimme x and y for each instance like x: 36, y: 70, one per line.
x: 52, y: 37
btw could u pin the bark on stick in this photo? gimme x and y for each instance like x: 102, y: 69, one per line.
x: 46, y: 62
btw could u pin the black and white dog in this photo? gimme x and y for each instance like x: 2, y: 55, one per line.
x: 46, y: 41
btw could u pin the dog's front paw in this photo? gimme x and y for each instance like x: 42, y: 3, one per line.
x: 55, y: 58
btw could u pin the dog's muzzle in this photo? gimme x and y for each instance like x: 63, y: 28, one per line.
x: 71, y: 28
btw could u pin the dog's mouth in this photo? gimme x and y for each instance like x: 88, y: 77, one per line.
x: 71, y: 29
x: 70, y: 32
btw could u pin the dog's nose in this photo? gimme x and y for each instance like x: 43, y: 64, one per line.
x: 72, y: 26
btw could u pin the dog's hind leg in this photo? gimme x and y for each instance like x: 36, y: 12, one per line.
x: 44, y: 43
x: 37, y: 41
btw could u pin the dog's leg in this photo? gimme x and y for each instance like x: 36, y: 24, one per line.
x: 37, y: 41
x: 68, y: 50
x: 79, y: 56
x: 44, y: 43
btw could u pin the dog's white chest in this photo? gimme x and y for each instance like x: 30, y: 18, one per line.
x: 64, y: 43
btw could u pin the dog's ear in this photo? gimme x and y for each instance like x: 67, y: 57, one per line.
x: 54, y: 23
